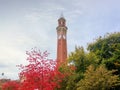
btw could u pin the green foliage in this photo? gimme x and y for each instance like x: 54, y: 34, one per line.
x: 107, y: 50
x: 69, y: 72
x: 80, y: 59
x: 90, y: 74
x: 98, y: 79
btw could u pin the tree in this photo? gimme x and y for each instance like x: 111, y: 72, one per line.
x: 80, y: 60
x: 68, y: 71
x: 41, y: 73
x: 10, y: 85
x: 98, y: 79
x: 76, y: 58
x: 107, y: 50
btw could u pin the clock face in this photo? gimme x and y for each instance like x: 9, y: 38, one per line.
x: 61, y: 22
x: 64, y: 37
x: 59, y: 36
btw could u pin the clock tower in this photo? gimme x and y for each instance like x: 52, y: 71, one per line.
x: 61, y: 40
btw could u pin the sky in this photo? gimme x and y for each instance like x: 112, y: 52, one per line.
x: 25, y: 24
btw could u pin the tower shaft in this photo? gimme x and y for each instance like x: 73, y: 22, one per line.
x: 61, y: 40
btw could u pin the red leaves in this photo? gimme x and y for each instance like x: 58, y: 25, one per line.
x: 41, y: 73
x: 10, y: 85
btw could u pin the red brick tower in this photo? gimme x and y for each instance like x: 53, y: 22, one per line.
x: 61, y: 40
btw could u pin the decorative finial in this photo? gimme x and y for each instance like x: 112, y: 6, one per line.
x: 61, y: 15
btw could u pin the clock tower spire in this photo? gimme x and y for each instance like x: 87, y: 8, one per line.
x: 61, y: 40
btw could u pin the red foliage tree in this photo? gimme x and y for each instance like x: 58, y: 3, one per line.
x: 41, y: 73
x: 10, y: 85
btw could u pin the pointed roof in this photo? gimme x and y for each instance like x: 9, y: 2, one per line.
x: 61, y: 17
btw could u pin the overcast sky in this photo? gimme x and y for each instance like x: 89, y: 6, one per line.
x: 25, y: 24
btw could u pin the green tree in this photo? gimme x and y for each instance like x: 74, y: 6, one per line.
x: 107, y: 50
x: 80, y: 60
x: 68, y: 71
x: 98, y: 79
